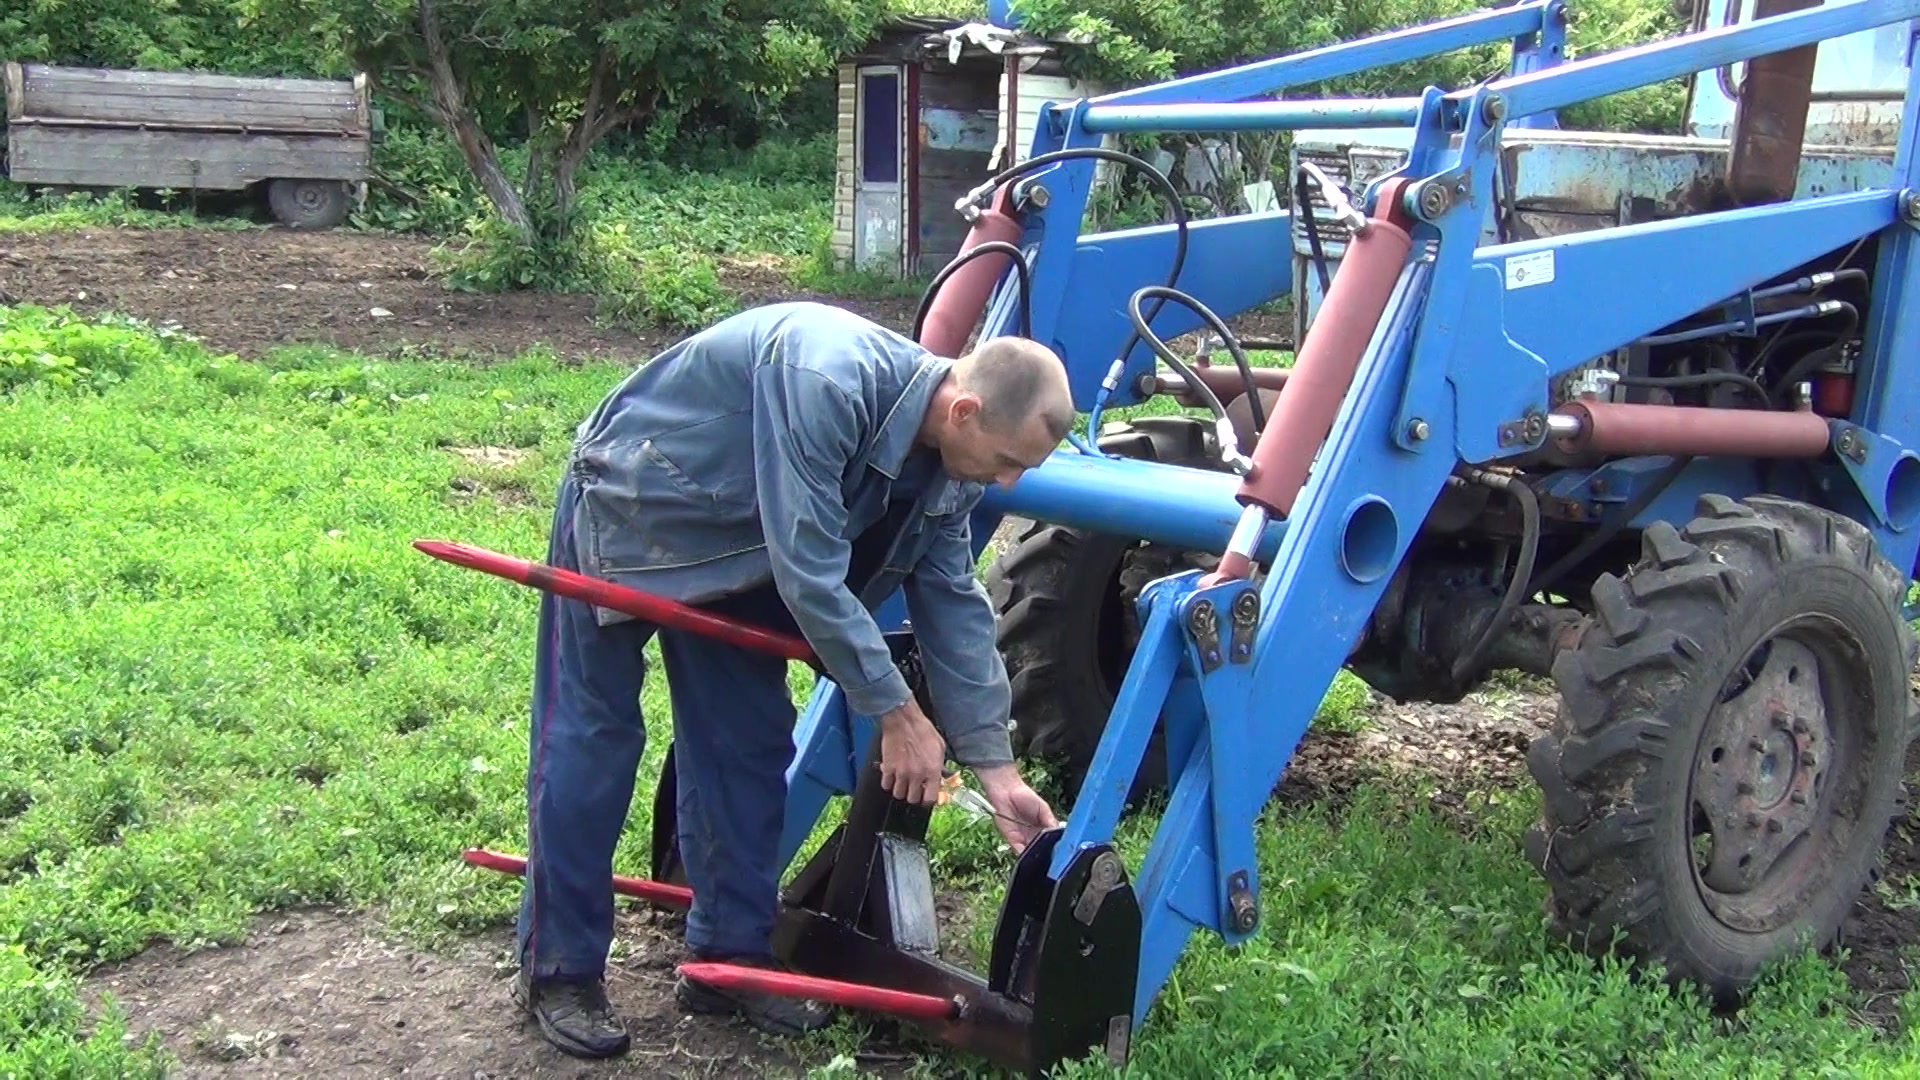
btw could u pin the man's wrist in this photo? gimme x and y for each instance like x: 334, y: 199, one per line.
x: 998, y: 777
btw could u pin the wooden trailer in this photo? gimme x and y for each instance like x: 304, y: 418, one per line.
x: 307, y: 141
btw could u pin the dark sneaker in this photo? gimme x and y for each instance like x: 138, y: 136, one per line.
x: 771, y: 1013
x: 574, y: 1015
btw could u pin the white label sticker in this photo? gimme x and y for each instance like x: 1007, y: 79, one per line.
x: 1534, y: 269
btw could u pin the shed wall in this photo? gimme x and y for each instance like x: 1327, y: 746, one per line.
x: 843, y: 159
x: 958, y: 125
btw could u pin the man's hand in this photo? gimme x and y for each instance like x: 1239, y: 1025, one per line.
x: 1019, y: 811
x: 912, y: 755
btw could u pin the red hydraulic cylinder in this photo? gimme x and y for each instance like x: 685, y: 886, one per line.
x: 658, y: 892
x: 1609, y: 427
x: 1324, y: 369
x: 619, y: 598
x: 901, y: 1003
x: 963, y: 297
x: 1322, y: 374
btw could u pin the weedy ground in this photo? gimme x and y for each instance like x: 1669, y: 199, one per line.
x: 233, y: 689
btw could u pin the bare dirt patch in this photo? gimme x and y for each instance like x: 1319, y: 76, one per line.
x: 497, y: 457
x: 252, y: 291
x: 325, y: 993
x: 249, y: 292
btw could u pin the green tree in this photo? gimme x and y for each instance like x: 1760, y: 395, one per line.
x: 571, y: 71
x: 170, y: 35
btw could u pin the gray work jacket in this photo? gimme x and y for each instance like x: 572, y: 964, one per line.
x: 759, y: 449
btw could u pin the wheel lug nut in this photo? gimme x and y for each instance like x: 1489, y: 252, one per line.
x: 1774, y: 826
x: 1744, y: 787
x: 1799, y: 798
x: 1757, y: 744
x: 1799, y: 726
x: 1753, y: 821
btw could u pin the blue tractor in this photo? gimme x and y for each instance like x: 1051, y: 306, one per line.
x: 1619, y: 411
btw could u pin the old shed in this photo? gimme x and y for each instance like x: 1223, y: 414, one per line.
x: 928, y: 109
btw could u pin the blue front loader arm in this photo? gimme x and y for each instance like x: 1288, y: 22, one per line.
x: 1462, y: 360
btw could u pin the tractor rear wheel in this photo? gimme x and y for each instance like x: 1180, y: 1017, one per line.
x: 1730, y: 747
x: 1068, y: 625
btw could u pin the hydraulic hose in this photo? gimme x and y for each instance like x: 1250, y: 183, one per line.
x: 1160, y: 348
x: 1213, y: 321
x: 1518, y: 586
x: 1013, y: 172
x: 991, y: 246
x: 1705, y: 378
x: 1804, y: 366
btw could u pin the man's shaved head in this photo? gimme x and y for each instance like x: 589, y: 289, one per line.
x: 1017, y: 379
x: 1005, y: 406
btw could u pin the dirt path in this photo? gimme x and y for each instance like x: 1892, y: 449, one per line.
x: 252, y: 291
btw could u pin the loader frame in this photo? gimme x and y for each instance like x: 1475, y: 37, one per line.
x: 1430, y: 366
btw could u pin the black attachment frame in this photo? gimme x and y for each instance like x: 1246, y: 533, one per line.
x: 1065, y: 958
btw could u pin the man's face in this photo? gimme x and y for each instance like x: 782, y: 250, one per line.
x: 972, y: 452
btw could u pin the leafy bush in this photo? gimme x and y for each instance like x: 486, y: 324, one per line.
x: 63, y: 351
x: 666, y: 287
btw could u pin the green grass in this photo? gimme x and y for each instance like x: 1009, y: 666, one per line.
x: 232, y: 686
x: 27, y: 213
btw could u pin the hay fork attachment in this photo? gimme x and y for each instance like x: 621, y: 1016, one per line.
x: 858, y: 922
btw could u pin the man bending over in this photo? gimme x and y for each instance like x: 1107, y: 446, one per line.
x: 791, y: 467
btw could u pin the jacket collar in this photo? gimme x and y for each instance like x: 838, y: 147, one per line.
x: 897, y: 432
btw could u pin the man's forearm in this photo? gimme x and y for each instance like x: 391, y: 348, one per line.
x: 843, y: 635
x: 954, y: 628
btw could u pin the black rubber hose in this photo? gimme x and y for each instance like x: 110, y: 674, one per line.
x: 1143, y: 332
x: 1705, y: 378
x: 1517, y: 587
x: 1159, y: 180
x: 1803, y: 366
x: 1303, y: 193
x: 1219, y: 328
x: 989, y: 247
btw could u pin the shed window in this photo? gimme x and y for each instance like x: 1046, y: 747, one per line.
x: 880, y: 127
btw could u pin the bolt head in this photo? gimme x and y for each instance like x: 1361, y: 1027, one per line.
x: 1419, y: 429
x: 1496, y: 110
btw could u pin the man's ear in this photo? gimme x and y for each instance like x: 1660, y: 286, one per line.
x: 964, y: 408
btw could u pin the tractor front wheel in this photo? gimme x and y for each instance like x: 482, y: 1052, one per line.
x: 1730, y: 746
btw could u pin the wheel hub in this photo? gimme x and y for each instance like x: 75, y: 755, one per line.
x: 1758, y: 779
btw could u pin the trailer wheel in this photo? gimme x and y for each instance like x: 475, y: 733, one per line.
x: 1065, y: 601
x: 1730, y: 747
x: 308, y: 204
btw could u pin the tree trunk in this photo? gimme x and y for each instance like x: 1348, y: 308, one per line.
x: 450, y: 101
x: 564, y: 192
x: 600, y: 114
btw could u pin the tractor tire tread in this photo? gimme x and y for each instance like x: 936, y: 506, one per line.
x: 1607, y: 790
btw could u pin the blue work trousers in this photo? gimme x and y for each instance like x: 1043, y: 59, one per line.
x: 733, y: 720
